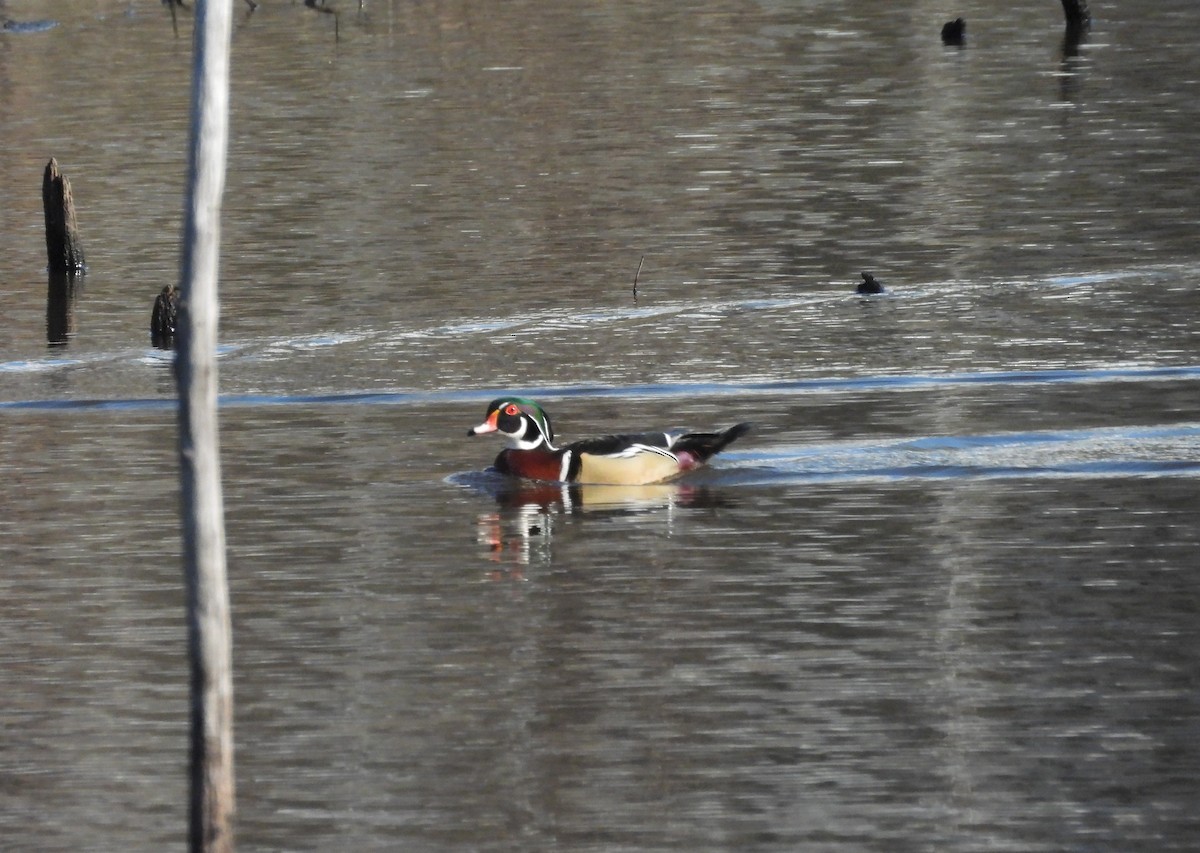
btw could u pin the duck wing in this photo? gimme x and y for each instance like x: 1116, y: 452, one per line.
x: 622, y: 460
x: 634, y: 460
x: 608, y: 445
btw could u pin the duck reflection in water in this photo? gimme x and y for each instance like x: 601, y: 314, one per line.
x: 520, y: 532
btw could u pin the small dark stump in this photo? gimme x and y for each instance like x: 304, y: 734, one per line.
x: 1079, y: 20
x: 165, y: 317
x: 869, y: 285
x: 1079, y: 16
x: 955, y: 32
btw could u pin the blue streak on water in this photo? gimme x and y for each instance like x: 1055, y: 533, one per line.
x: 690, y: 389
x: 1113, y: 451
x: 1130, y: 451
x: 1109, y: 468
x: 42, y: 366
x: 28, y: 26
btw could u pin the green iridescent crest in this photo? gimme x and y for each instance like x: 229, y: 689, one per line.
x: 529, y: 407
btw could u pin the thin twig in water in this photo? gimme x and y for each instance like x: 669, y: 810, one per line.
x: 635, y: 277
x: 312, y: 4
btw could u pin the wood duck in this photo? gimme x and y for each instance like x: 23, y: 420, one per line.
x: 624, y: 460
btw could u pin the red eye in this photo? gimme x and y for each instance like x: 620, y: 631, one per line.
x: 511, y: 410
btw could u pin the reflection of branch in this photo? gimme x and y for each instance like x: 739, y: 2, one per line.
x: 60, y: 307
x: 171, y: 4
x: 635, y: 277
x: 312, y: 4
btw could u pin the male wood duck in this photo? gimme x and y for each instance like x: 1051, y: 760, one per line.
x: 624, y: 460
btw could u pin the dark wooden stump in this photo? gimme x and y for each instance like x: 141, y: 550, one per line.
x: 164, y: 318
x: 64, y: 255
x: 1078, y: 14
x: 64, y: 251
x: 1079, y: 19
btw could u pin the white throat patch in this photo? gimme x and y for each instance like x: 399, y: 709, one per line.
x: 529, y: 438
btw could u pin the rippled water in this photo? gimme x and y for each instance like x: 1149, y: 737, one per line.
x: 943, y: 597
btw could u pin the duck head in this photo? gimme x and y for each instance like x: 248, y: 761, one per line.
x: 521, y: 421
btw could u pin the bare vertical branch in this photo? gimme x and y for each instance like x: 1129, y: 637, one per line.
x: 209, y: 632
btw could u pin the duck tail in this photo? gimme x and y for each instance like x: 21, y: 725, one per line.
x: 705, y: 445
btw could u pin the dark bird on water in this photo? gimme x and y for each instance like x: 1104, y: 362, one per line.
x: 954, y: 32
x: 869, y: 285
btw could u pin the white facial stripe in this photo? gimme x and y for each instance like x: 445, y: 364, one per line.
x: 528, y: 437
x: 566, y: 465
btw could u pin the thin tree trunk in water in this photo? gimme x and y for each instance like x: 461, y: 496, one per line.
x: 209, y: 632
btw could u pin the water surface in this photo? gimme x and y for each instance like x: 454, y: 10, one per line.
x: 943, y: 597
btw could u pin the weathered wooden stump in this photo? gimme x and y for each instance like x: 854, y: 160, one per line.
x: 164, y: 319
x: 64, y: 251
x: 64, y: 255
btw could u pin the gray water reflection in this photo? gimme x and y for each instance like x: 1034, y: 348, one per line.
x: 942, y: 598
x: 957, y: 663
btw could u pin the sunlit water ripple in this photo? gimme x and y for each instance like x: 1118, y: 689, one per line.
x: 1135, y: 450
